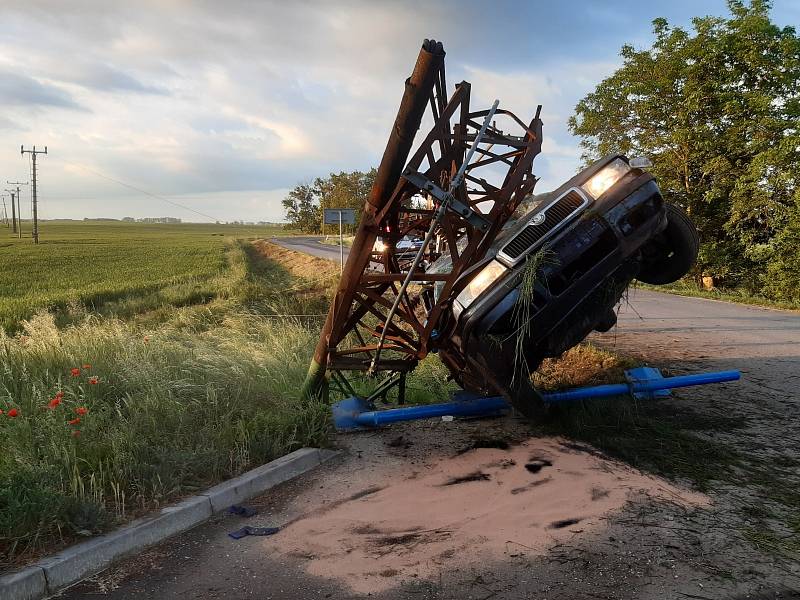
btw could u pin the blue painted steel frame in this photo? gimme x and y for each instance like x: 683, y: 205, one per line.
x: 643, y: 383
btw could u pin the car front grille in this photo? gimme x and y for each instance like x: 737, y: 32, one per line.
x: 555, y: 217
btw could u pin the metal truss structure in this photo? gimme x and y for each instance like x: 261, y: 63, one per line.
x: 385, y: 304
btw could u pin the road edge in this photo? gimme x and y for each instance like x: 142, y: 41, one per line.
x: 668, y: 292
x: 71, y: 565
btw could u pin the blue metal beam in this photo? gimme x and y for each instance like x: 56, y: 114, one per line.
x: 355, y: 413
x: 633, y: 387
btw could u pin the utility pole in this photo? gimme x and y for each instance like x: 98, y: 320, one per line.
x: 19, y: 207
x: 13, y: 214
x: 16, y: 215
x: 33, y: 154
x: 5, y: 213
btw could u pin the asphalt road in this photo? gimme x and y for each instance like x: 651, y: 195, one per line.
x: 311, y: 245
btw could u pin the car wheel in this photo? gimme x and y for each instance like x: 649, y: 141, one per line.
x: 673, y: 253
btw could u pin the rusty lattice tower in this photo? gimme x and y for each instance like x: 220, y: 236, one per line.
x: 414, y: 197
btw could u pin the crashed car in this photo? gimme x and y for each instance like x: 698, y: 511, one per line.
x: 557, y: 273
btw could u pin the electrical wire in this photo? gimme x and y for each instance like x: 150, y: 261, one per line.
x: 140, y: 190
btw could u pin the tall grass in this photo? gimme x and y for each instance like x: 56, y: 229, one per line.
x: 179, y: 402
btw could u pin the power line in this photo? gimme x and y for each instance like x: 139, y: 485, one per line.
x: 33, y: 154
x: 140, y: 190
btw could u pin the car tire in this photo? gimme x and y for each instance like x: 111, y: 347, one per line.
x: 673, y: 253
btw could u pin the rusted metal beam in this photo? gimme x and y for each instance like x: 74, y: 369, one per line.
x: 418, y: 90
x: 397, y: 206
x: 384, y: 277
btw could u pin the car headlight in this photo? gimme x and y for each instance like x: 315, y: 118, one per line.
x: 606, y: 177
x: 379, y: 246
x: 480, y: 283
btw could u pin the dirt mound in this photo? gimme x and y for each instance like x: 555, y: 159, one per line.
x: 477, y: 506
x: 297, y: 263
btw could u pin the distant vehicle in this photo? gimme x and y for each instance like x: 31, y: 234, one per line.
x: 406, y: 247
x: 557, y: 273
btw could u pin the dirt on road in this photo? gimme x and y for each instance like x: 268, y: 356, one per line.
x: 482, y: 504
x: 383, y: 522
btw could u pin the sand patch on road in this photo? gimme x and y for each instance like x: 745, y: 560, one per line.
x: 479, y: 506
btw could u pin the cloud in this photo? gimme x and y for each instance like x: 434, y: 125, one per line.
x: 9, y: 125
x: 20, y: 90
x: 103, y: 77
x: 223, y: 100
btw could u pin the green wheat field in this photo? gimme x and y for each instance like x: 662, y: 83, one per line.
x: 113, y: 266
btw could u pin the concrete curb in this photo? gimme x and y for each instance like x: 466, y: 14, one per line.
x: 77, y: 562
x: 28, y: 584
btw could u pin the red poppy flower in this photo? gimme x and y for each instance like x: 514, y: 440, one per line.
x: 1, y: 411
x: 146, y: 339
x: 13, y: 413
x: 54, y: 402
x: 75, y: 372
x: 87, y: 366
x: 93, y: 380
x: 81, y: 410
x: 76, y: 433
x: 74, y: 421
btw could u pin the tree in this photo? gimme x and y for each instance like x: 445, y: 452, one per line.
x: 783, y: 270
x: 305, y: 202
x: 302, y: 212
x: 717, y: 111
x: 345, y: 190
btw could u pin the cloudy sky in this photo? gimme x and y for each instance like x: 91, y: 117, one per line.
x: 223, y: 106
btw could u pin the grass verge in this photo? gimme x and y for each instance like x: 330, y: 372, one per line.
x: 106, y: 418
x: 333, y: 240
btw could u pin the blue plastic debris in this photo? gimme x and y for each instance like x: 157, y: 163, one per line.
x: 644, y: 375
x: 355, y: 413
x: 248, y: 530
x: 645, y: 385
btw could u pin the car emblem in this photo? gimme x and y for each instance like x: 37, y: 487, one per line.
x: 538, y: 219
